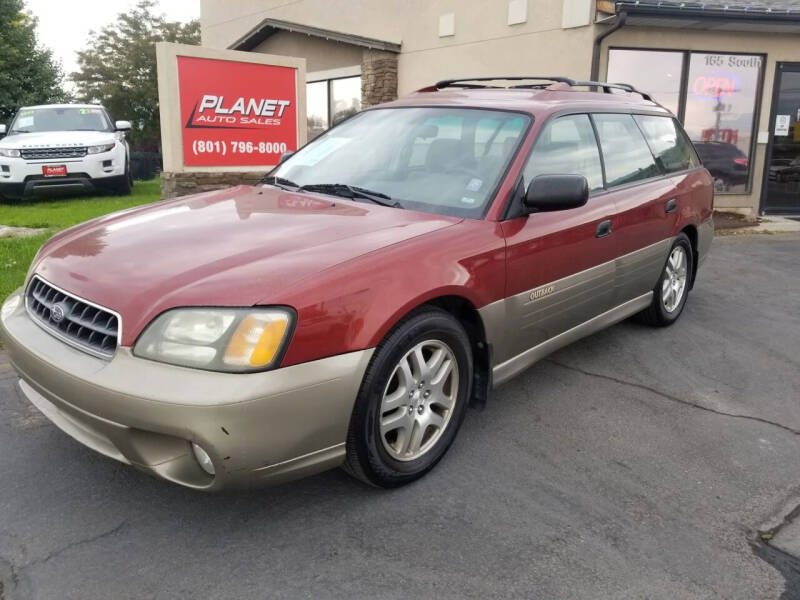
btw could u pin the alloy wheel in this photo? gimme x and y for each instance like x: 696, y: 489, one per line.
x: 418, y: 400
x: 673, y: 286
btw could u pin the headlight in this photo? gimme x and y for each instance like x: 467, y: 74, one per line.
x: 9, y: 152
x: 101, y: 148
x: 236, y: 340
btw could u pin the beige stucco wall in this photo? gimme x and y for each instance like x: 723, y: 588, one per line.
x: 320, y: 55
x: 777, y: 47
x: 483, y: 44
x: 222, y: 22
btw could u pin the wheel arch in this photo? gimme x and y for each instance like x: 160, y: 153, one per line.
x: 466, y: 313
x: 692, y: 234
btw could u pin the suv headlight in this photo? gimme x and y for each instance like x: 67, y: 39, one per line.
x: 236, y: 340
x: 101, y: 148
x: 9, y: 152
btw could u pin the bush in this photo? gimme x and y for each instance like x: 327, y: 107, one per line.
x: 145, y: 165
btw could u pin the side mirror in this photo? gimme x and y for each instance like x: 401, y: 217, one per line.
x: 556, y: 192
x: 2, y: 129
x: 284, y: 156
x: 123, y: 125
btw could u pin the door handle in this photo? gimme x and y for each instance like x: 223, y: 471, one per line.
x: 603, y: 229
x: 671, y: 206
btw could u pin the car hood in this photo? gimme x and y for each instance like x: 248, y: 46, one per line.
x: 235, y: 247
x: 50, y: 139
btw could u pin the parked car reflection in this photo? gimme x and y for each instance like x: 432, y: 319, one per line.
x: 783, y: 170
x: 726, y: 163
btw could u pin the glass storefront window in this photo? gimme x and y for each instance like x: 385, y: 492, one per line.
x: 715, y: 99
x: 345, y: 98
x: 720, y: 108
x: 316, y: 108
x: 655, y: 72
x: 330, y: 101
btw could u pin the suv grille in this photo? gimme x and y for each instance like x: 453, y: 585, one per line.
x: 48, y: 153
x: 75, y: 321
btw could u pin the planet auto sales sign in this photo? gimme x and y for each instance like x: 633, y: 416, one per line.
x: 236, y: 113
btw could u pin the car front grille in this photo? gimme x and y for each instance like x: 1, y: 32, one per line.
x: 75, y: 321
x: 51, y: 153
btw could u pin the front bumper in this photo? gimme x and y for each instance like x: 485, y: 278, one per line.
x: 22, y: 177
x: 258, y: 428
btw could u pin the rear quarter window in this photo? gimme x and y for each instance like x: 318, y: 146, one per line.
x: 670, y: 146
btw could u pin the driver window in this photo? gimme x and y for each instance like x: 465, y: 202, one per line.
x: 566, y: 146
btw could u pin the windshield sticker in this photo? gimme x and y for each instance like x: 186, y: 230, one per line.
x: 474, y: 185
x: 25, y: 113
x: 320, y: 150
x: 89, y: 111
x: 23, y: 122
x: 466, y: 200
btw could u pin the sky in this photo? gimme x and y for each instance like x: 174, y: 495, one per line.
x: 64, y: 25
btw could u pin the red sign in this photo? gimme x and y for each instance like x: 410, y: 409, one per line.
x: 236, y: 113
x: 729, y: 136
x: 56, y: 171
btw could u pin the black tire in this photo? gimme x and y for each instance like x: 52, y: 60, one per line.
x: 367, y: 458
x: 657, y: 314
x: 125, y: 186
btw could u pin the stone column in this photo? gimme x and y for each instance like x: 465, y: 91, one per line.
x: 183, y: 184
x: 378, y: 77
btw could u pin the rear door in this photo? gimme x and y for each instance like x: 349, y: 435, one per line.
x: 646, y: 198
x: 560, y: 268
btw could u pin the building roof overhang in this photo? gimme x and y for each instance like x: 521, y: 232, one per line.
x: 779, y: 16
x: 269, y: 27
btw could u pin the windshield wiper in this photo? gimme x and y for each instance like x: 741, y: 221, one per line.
x: 13, y: 131
x: 280, y: 182
x: 351, y: 191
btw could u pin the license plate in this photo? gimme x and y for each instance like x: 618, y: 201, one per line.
x: 54, y: 171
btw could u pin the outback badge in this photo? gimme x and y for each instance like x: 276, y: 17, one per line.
x: 542, y: 292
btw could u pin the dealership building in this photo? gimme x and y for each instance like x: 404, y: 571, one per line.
x: 729, y: 70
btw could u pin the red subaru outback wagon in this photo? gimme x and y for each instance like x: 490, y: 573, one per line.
x: 382, y: 278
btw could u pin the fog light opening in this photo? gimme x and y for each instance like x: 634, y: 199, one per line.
x: 203, y: 459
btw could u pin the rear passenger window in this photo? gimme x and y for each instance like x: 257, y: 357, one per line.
x: 566, y: 146
x: 668, y: 143
x: 626, y: 155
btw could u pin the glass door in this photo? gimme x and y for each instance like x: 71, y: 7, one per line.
x: 782, y: 186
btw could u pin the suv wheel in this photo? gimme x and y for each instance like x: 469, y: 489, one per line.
x: 412, y: 400
x: 125, y: 186
x: 672, y: 289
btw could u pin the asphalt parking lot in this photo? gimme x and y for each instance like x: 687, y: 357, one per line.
x: 637, y: 463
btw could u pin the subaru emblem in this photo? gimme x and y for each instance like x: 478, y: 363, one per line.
x: 57, y: 313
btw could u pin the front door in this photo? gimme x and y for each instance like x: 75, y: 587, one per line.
x: 781, y: 190
x: 560, y: 265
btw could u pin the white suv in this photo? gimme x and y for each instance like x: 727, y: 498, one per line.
x: 64, y: 148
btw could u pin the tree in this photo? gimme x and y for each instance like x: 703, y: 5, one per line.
x: 28, y: 72
x: 118, y: 69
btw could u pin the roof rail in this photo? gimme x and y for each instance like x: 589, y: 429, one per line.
x: 465, y: 82
x: 461, y: 82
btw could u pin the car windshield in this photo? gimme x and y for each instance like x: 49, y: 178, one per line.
x: 440, y: 160
x: 68, y: 118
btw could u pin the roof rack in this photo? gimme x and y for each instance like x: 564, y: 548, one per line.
x: 465, y: 82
